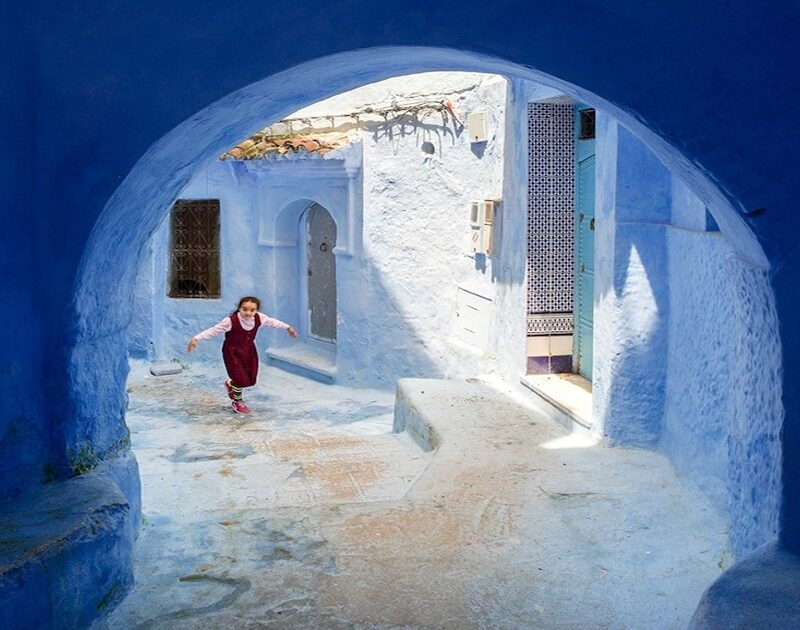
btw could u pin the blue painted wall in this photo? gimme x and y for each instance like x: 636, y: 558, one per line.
x: 631, y: 288
x: 24, y: 424
x: 710, y: 86
x: 723, y: 412
x: 687, y: 339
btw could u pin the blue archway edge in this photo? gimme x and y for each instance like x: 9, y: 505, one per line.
x: 140, y: 202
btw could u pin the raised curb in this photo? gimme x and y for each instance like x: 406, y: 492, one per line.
x: 408, y: 418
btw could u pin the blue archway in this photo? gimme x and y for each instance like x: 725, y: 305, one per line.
x: 136, y: 208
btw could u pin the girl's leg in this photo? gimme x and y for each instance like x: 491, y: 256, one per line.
x: 234, y: 393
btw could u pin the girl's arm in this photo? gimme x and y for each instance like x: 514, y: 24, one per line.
x: 222, y: 327
x: 271, y: 322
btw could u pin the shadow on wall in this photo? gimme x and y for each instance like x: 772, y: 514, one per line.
x: 413, y: 124
x: 379, y: 343
x: 632, y: 287
x: 637, y: 369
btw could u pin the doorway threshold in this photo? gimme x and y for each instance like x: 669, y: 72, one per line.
x: 310, y: 361
x: 570, y: 394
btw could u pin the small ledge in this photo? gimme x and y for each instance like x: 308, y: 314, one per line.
x: 66, y: 548
x: 276, y: 244
x: 343, y: 252
x: 569, y: 394
x: 305, y: 360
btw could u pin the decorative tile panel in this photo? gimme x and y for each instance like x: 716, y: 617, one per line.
x: 551, y: 200
x: 558, y: 324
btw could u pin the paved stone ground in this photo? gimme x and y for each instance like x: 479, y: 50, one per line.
x: 309, y: 513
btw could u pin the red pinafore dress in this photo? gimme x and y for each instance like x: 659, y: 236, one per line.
x: 239, y: 353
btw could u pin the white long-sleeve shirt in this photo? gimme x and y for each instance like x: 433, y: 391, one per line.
x: 225, y: 325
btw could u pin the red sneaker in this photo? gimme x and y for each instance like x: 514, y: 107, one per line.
x: 229, y: 389
x: 239, y: 407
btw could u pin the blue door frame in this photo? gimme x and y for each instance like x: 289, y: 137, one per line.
x: 584, y: 240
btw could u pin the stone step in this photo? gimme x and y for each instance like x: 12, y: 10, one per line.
x: 304, y: 361
x: 567, y: 398
x: 73, y: 541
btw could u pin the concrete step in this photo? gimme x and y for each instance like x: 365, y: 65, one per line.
x: 567, y: 398
x: 306, y: 361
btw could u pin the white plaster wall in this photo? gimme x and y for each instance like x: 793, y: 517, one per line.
x: 397, y: 283
x: 397, y: 298
x: 631, y: 288
x: 416, y: 222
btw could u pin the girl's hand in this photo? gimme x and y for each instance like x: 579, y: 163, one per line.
x: 192, y: 344
x: 292, y: 332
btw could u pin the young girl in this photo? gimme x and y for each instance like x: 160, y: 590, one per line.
x: 239, y: 349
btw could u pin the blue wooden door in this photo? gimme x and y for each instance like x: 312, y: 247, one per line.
x: 321, y: 274
x: 584, y: 240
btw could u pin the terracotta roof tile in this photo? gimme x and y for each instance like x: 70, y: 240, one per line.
x: 263, y: 144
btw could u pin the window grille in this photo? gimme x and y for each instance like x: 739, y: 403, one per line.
x: 194, y: 251
x: 587, y: 124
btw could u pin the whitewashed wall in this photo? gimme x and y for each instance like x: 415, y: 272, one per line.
x: 398, y: 283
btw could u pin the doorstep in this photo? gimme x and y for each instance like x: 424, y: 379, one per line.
x: 305, y: 360
x: 569, y: 394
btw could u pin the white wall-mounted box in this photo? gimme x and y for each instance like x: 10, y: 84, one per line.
x: 489, y: 211
x: 473, y: 313
x: 482, y: 215
x: 476, y: 214
x: 476, y: 126
x: 475, y: 236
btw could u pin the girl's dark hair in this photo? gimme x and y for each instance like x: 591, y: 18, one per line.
x: 248, y: 298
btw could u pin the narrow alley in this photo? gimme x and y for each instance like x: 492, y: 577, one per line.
x: 311, y: 513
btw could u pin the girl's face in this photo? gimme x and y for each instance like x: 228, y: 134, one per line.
x: 248, y: 310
